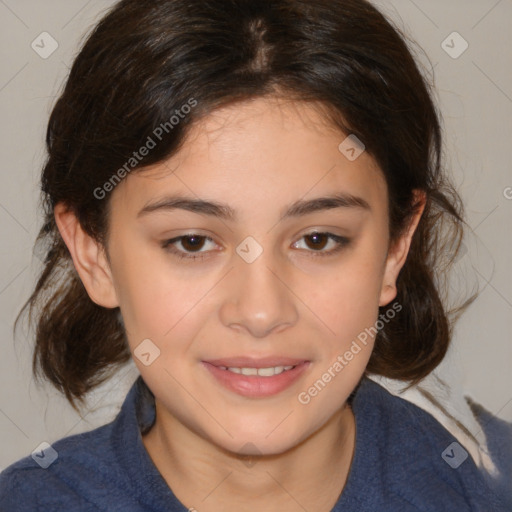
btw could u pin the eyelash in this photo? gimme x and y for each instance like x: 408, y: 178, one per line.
x: 341, y: 242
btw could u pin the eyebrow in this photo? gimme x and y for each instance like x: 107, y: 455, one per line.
x: 223, y: 211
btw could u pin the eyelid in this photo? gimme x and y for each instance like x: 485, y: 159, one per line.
x: 168, y: 246
x: 341, y: 243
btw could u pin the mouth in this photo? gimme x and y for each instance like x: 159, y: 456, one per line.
x: 261, y: 372
x: 256, y: 377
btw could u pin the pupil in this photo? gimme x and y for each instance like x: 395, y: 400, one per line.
x: 192, y: 242
x: 315, y: 238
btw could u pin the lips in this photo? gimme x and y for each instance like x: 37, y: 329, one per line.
x: 256, y: 386
x: 249, y: 362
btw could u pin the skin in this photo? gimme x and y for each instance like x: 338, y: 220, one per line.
x: 257, y: 157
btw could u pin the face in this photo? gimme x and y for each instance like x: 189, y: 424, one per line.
x: 252, y: 265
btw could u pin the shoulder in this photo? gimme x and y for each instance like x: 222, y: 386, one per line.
x: 498, y: 435
x: 54, y: 477
x: 102, y: 469
x: 418, y: 460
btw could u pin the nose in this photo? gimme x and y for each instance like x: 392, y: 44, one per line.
x: 258, y: 300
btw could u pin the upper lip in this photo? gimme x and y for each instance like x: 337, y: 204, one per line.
x: 249, y: 362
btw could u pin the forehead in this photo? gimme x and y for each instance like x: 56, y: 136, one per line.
x: 277, y: 150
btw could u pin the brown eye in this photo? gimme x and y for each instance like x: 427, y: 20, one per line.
x: 318, y: 240
x: 190, y: 246
x: 193, y: 242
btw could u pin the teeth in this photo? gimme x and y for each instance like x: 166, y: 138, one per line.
x: 261, y: 372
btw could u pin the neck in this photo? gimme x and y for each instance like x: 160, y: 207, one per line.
x: 208, y: 478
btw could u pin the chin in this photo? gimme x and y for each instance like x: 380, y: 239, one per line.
x: 244, y: 443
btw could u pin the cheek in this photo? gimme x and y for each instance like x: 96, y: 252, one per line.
x: 349, y: 298
x: 160, y: 308
x: 153, y: 294
x: 348, y: 303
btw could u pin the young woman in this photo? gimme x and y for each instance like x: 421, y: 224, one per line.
x: 246, y: 197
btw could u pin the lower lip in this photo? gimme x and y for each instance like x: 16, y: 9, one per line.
x: 253, y: 385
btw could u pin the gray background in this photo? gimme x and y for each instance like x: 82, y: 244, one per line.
x: 475, y: 96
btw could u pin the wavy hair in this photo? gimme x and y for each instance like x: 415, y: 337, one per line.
x: 145, y: 59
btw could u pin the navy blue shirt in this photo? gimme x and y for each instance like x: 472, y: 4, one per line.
x: 404, y: 461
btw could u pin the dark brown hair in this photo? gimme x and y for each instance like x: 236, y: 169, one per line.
x: 146, y: 59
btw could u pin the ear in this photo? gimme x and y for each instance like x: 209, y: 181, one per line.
x: 88, y: 257
x: 397, y: 253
